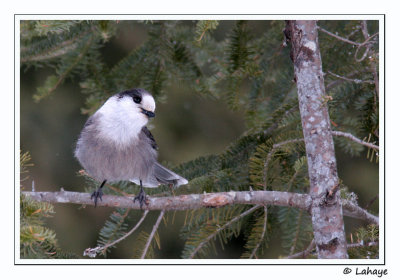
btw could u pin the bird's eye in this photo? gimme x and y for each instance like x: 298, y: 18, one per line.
x: 137, y: 99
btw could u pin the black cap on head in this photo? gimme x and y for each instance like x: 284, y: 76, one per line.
x: 135, y: 92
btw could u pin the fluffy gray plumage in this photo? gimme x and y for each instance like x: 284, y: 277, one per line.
x: 115, y: 144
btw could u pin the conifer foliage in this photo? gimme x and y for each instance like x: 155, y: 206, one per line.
x: 37, y: 240
x: 250, y: 69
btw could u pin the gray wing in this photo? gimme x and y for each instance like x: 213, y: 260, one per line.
x: 161, y: 174
x: 150, y: 137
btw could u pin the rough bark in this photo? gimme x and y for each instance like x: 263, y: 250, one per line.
x: 326, y: 208
x: 181, y: 202
x: 196, y: 201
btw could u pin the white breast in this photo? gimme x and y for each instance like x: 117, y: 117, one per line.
x: 120, y: 121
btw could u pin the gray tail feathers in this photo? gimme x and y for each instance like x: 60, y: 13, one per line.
x: 166, y: 176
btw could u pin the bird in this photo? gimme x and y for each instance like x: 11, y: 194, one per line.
x: 116, y: 145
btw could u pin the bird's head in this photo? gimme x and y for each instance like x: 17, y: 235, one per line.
x: 125, y: 113
x: 137, y: 101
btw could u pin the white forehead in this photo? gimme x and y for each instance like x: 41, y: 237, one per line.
x: 125, y: 105
x: 148, y: 102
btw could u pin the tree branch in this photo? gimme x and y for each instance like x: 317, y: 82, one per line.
x: 305, y: 253
x: 310, y: 248
x: 196, y: 201
x: 155, y: 227
x: 298, y: 228
x: 222, y: 228
x: 271, y: 152
x: 364, y: 30
x: 349, y: 76
x: 182, y: 202
x: 366, y: 43
x: 338, y: 37
x: 92, y: 252
x: 362, y: 244
x: 253, y: 253
x: 352, y: 210
x: 326, y: 212
x: 355, y: 139
x: 357, y: 81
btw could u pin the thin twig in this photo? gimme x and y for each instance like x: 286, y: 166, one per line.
x: 366, y: 43
x: 357, y: 81
x: 222, y: 228
x: 364, y: 30
x: 92, y: 252
x: 104, y: 248
x: 338, y: 37
x: 359, y: 45
x: 350, y: 209
x: 278, y: 145
x: 253, y: 253
x: 362, y: 244
x: 337, y: 82
x: 355, y: 139
x: 271, y: 152
x: 62, y: 77
x: 353, y: 32
x: 304, y: 253
x: 54, y: 52
x: 376, y: 78
x: 155, y: 227
x: 290, y: 183
x: 269, y: 130
x: 298, y: 228
x: 371, y: 202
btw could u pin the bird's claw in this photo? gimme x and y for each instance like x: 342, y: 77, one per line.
x: 141, y: 197
x: 96, y: 195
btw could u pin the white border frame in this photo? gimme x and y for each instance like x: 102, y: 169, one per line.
x: 382, y: 255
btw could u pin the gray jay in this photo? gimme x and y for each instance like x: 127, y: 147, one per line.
x: 115, y: 145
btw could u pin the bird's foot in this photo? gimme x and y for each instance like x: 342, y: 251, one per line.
x: 171, y: 188
x: 97, y: 194
x: 141, y: 197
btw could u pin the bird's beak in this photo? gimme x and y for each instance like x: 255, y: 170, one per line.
x: 149, y: 114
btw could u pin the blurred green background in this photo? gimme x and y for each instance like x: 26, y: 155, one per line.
x: 186, y: 126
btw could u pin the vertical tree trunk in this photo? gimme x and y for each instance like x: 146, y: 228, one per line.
x: 326, y: 208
